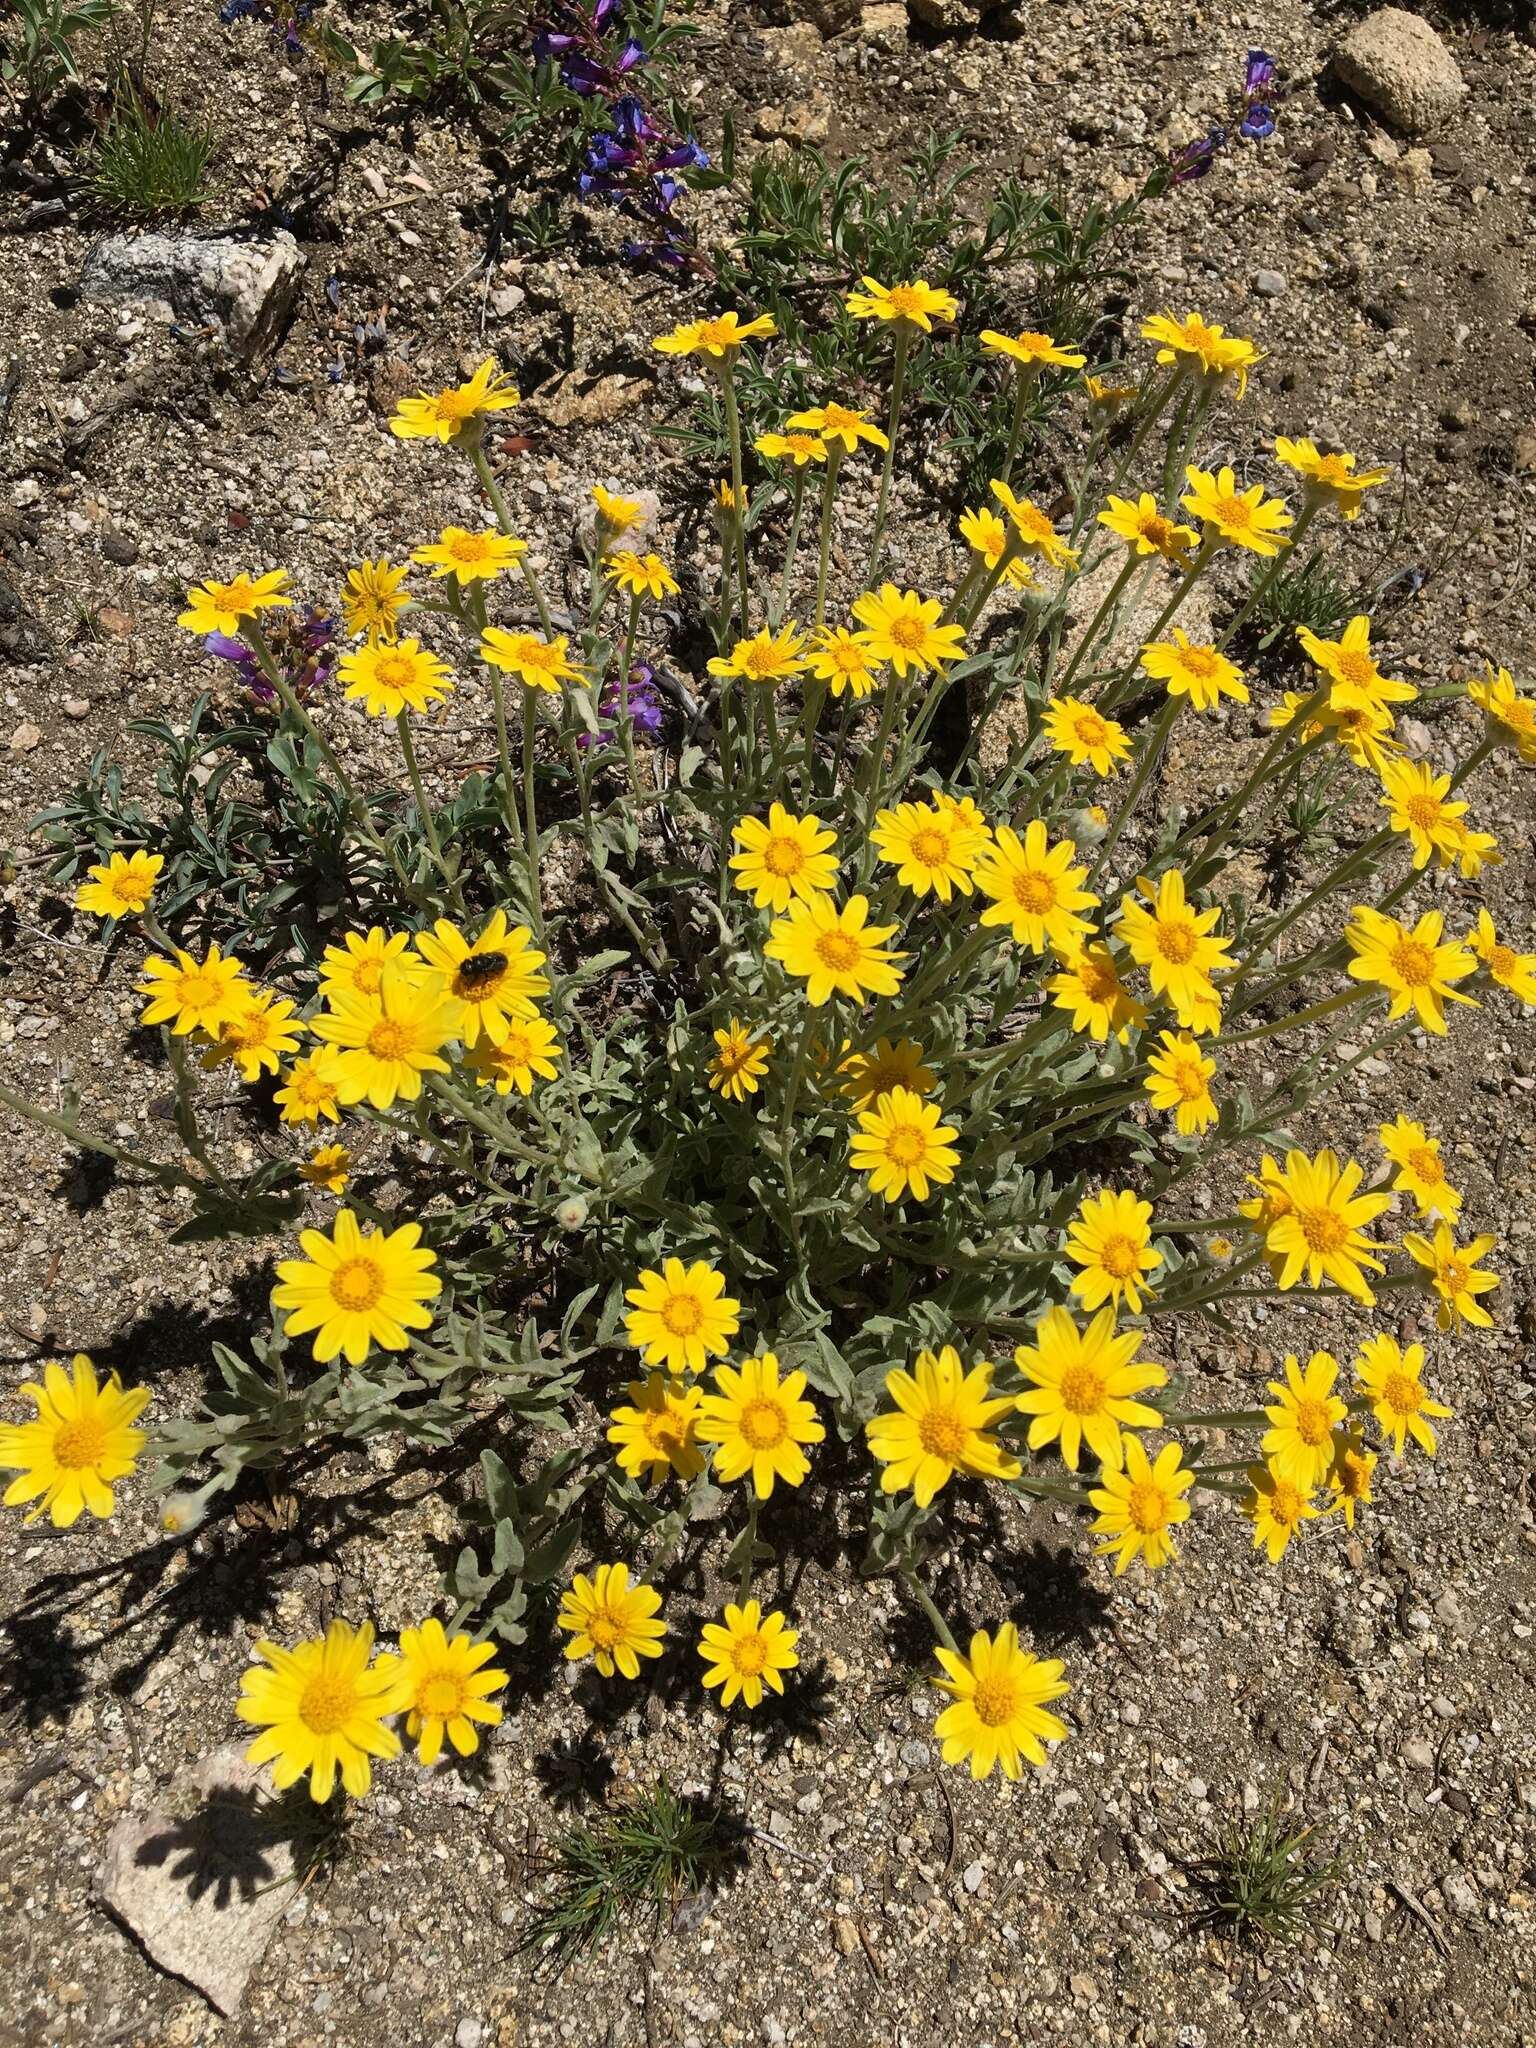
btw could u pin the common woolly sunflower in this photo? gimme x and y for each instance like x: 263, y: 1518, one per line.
x: 471, y: 555
x: 1087, y: 738
x: 1110, y: 1239
x: 903, y: 1145
x: 81, y: 1441
x: 915, y: 304
x: 443, y: 1685
x: 120, y: 887
x: 321, y: 1711
x: 783, y: 857
x: 1418, y: 967
x: 358, y: 1288
x: 835, y: 951
x: 495, y: 977
x: 611, y: 1621
x: 1306, y: 1411
x: 458, y: 411
x: 1140, y: 1506
x: 223, y: 607
x: 999, y: 1714
x: 907, y: 630
x: 759, y: 1421
x: 933, y: 849
x: 1035, y: 889
x: 942, y: 1422
x: 1084, y: 1387
x: 1277, y: 1507
x: 1391, y: 1378
x: 747, y: 1650
x: 1455, y: 1274
x: 1246, y: 519
x: 681, y: 1316
x: 393, y: 677
x: 1179, y: 1078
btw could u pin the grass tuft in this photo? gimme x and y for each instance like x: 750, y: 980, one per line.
x: 149, y: 162
x: 1259, y: 1885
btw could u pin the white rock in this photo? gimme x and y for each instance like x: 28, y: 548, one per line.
x: 246, y: 288
x: 1397, y: 64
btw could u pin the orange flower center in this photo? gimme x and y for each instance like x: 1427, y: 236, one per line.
x: 1203, y: 663
x: 906, y: 1144
x: 1312, y: 1423
x: 1089, y: 729
x: 759, y: 662
x: 1177, y: 940
x: 395, y: 671
x: 367, y: 975
x: 468, y: 547
x: 905, y: 300
x: 1189, y: 1080
x: 1146, y: 1507
x: 836, y: 418
x: 943, y: 1435
x: 1501, y: 960
x: 515, y: 1049
x: 783, y: 855
x: 1082, y: 1390
x: 908, y: 631
x: 837, y: 951
x: 717, y: 333
x: 1353, y: 666
x: 440, y: 1694
x: 389, y: 1039
x: 1324, y: 1229
x: 455, y: 405
x: 603, y: 1629
x: 1453, y: 1276
x: 1101, y: 984
x: 1423, y: 811
x: 80, y: 1443
x: 327, y: 1704
x: 930, y: 845
x: 1285, y: 1504
x: 1034, y: 892
x: 1233, y: 511
x: 1402, y: 1394
x: 1424, y: 1164
x: 763, y: 1424
x: 1413, y: 964
x: 996, y: 1700
x: 198, y: 991
x: 357, y: 1285
x: 749, y: 1653
x: 1120, y: 1256
x: 682, y: 1314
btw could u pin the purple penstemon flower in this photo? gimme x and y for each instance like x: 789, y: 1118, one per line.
x: 635, y: 699
x: 1194, y: 160
x: 303, y: 648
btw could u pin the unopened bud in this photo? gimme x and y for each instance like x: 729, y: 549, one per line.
x: 571, y: 1214
x: 181, y: 1514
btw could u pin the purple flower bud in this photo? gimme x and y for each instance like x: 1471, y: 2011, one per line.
x: 1260, y: 74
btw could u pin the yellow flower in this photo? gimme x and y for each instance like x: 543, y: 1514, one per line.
x: 611, y: 1621
x: 1088, y: 739
x: 1471, y: 851
x: 918, y: 303
x: 1299, y: 1446
x: 757, y: 1423
x: 798, y: 448
x: 321, y: 1711
x: 1512, y: 716
x: 1090, y: 989
x: 904, y: 629
x: 657, y: 1432
x: 495, y: 979
x: 641, y: 575
x: 221, y: 607
x: 1110, y: 1237
x: 358, y: 1288
x: 942, y: 1424
x: 458, y: 411
x: 750, y: 1651
x: 329, y: 1168
x: 257, y: 1035
x: 1362, y: 733
x: 1417, y: 968
x: 1417, y: 801
x: 1137, y: 1508
x: 999, y: 1713
x: 1032, y: 350
x: 835, y: 951
x: 1454, y: 1275
x: 1218, y: 353
x: 681, y: 1316
x: 193, y: 995
x: 80, y: 1442
x: 1420, y: 1169
x: 718, y: 341
x: 471, y: 557
x: 443, y: 1683
x: 866, y: 1076
x: 1100, y: 392
x: 739, y: 1063
x: 1331, y: 479
x: 768, y: 657
x: 931, y: 848
x: 1036, y: 534
x: 902, y: 1145
x: 1511, y: 970
x: 1277, y: 1508
x: 358, y: 963
x: 388, y: 1041
x: 537, y: 663
x: 390, y: 679
x: 1085, y: 1383
x: 121, y: 888
x: 1179, y: 1078
x: 983, y: 531
x: 1321, y: 1230
x: 843, y: 660
x: 616, y: 516
x: 1392, y: 1381
x: 1178, y: 947
x: 373, y: 600
x: 309, y: 1090
x: 1246, y: 518
x: 1349, y: 1475
x: 1146, y: 532
x: 784, y: 858
x: 524, y: 1049
x: 1202, y: 674
x: 1357, y: 684
x: 1035, y: 889
x: 839, y: 426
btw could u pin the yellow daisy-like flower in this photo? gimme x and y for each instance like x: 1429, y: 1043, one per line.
x: 1178, y: 946
x: 1110, y: 1237
x: 524, y: 1050
x: 1245, y: 518
x: 372, y: 601
x: 942, y: 1424
x: 1417, y: 801
x: 321, y: 1711
x: 843, y: 661
x: 718, y: 341
x: 1179, y: 1078
x: 329, y: 1168
x: 1420, y: 1169
x: 443, y: 1685
x: 611, y: 1621
x: 1454, y: 1275
x: 656, y: 1432
x: 768, y: 657
x: 1036, y: 534
x: 1277, y: 1508
x: 1032, y: 350
x: 1085, y: 736
x: 193, y: 995
x: 1471, y: 851
x: 358, y: 1288
x: 740, y: 1062
x: 1205, y: 343
x: 310, y: 1088
x: 1331, y: 479
x: 1035, y: 889
x: 1139, y: 1507
x: 839, y: 426
x: 641, y: 575
x: 385, y: 1043
x: 616, y: 516
x: 681, y: 1317
x: 1365, y: 735
x: 391, y: 678
x: 1392, y: 1381
x: 988, y: 537
x: 496, y: 978
x: 537, y: 663
x: 1417, y: 968
x: 1145, y: 531
x: 786, y: 857
x: 257, y: 1035
x: 471, y: 556
x: 749, y: 1651
x: 1202, y: 674
x: 358, y: 963
x: 457, y: 412
x: 902, y: 627
x: 864, y: 1077
x: 1299, y: 1445
x: 1106, y: 396
x: 1511, y: 970
x: 1349, y: 1476
x: 757, y: 1423
x: 903, y: 1146
x: 1085, y: 1384
x: 1321, y: 1230
x: 933, y: 848
x: 835, y: 951
x: 122, y: 886
x: 798, y: 448
x: 999, y: 1713
x: 1090, y: 990
x: 918, y: 303
x: 1357, y: 684
x: 221, y: 607
x: 1511, y: 716
x: 79, y: 1444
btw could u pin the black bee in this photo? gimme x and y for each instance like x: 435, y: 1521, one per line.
x: 479, y: 971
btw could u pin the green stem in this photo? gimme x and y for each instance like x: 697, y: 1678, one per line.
x: 167, y: 1176
x: 738, y: 491
x: 824, y: 547
x: 1356, y: 993
x: 1151, y: 754
x: 892, y: 425
x: 1262, y: 583
x: 423, y: 808
x: 796, y: 516
x: 936, y: 1620
x: 1022, y: 381
x: 531, y: 816
x: 1091, y: 632
x: 749, y: 1552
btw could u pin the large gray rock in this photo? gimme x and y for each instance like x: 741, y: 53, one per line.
x: 246, y: 288
x: 1399, y: 66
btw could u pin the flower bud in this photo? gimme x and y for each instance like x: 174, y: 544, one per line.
x: 571, y: 1213
x: 181, y: 1515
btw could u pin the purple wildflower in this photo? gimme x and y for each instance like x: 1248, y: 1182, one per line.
x: 302, y: 647
x: 1194, y: 160
x: 639, y: 701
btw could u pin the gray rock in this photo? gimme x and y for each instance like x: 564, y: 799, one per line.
x: 1397, y: 64
x: 245, y: 288
x: 1460, y: 1895
x: 953, y: 17
x: 1269, y: 284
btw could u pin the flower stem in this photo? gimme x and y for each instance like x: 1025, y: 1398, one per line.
x: 824, y: 550
x: 898, y: 387
x: 531, y: 815
x: 1151, y: 754
x: 796, y: 517
x: 423, y: 808
x: 936, y: 1620
x: 738, y: 490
